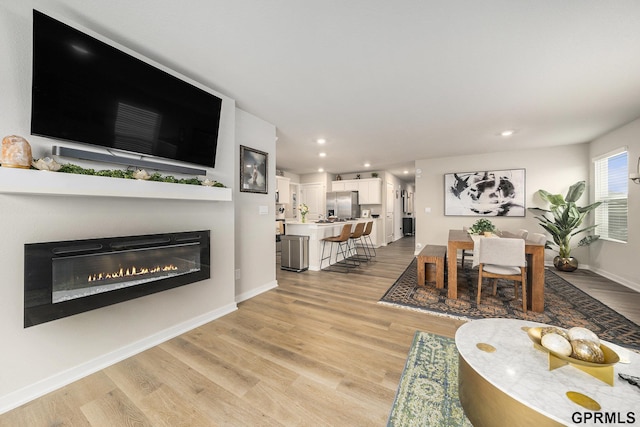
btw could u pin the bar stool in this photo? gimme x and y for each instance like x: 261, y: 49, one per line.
x: 366, y: 240
x: 356, y: 237
x: 343, y: 249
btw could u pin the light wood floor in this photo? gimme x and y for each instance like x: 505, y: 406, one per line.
x: 318, y: 350
x: 622, y: 299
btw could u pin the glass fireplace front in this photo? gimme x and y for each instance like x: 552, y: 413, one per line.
x: 66, y: 278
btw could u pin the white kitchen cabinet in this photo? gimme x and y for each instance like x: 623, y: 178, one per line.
x: 282, y: 189
x: 369, y: 189
x: 351, y: 185
x: 337, y: 185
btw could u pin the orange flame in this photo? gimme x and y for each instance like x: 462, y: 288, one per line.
x: 130, y: 272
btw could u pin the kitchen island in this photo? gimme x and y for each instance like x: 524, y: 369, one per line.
x: 318, y: 231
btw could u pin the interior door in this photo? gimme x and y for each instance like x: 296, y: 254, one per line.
x: 388, y: 221
x: 314, y: 196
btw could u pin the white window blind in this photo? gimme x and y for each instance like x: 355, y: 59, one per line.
x: 611, y: 188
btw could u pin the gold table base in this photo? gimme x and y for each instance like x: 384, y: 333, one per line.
x: 486, y: 405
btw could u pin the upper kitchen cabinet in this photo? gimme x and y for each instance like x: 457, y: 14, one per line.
x: 283, y: 195
x: 337, y: 185
x: 369, y: 189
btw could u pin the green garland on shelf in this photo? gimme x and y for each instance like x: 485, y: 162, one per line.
x: 128, y: 174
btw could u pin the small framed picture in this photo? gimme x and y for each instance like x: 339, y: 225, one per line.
x: 366, y: 213
x: 253, y: 170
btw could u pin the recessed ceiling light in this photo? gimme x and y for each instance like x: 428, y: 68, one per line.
x: 323, y: 154
x: 366, y: 165
x: 321, y: 140
x: 405, y: 172
x: 320, y: 170
x: 507, y: 132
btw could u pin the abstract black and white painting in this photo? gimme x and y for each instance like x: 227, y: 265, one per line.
x: 485, y: 193
x: 253, y: 170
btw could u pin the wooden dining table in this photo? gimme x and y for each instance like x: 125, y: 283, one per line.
x: 460, y: 239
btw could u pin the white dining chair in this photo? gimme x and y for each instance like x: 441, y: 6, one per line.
x: 537, y: 238
x: 522, y: 233
x: 502, y: 258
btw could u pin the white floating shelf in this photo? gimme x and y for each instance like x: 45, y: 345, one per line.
x: 27, y: 181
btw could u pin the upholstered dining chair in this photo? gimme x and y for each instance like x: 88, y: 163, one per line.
x: 538, y: 238
x: 522, y: 233
x: 502, y: 258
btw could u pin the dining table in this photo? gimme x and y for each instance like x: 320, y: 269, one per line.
x: 461, y: 240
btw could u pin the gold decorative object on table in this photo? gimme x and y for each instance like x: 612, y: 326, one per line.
x: 583, y: 400
x: 486, y: 347
x: 581, y: 349
x: 16, y: 152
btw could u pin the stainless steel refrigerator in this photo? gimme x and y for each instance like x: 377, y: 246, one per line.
x: 343, y: 204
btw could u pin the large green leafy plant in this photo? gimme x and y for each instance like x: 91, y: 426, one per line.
x: 564, y: 218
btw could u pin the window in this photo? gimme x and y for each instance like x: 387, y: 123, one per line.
x: 611, y: 188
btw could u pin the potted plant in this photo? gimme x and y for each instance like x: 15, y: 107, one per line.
x: 562, y: 221
x: 482, y: 226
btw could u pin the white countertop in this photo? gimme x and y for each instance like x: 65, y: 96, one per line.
x: 315, y: 222
x: 522, y: 372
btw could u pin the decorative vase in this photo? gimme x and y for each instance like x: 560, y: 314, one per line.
x: 565, y: 264
x: 303, y: 218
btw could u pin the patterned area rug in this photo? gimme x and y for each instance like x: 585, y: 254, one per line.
x: 565, y: 305
x: 428, y: 391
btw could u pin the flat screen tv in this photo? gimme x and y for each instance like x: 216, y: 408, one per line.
x: 87, y: 91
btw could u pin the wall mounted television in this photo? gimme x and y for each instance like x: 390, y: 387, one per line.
x: 90, y: 92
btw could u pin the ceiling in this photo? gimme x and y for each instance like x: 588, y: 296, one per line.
x: 391, y: 82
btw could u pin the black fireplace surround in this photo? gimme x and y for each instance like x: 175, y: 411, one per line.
x: 70, y: 277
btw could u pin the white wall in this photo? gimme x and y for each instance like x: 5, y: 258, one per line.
x: 44, y: 357
x: 614, y: 259
x: 255, y: 236
x: 552, y: 169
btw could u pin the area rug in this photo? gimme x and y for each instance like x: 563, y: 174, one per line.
x: 565, y: 305
x: 428, y: 391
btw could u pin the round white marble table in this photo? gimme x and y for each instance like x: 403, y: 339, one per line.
x: 508, y: 382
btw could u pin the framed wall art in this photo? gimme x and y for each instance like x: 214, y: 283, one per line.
x: 253, y: 170
x: 485, y: 193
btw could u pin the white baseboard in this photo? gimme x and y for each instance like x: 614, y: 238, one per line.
x: 617, y: 279
x: 254, y: 292
x: 56, y: 381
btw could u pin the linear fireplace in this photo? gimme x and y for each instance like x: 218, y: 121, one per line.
x: 70, y: 277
